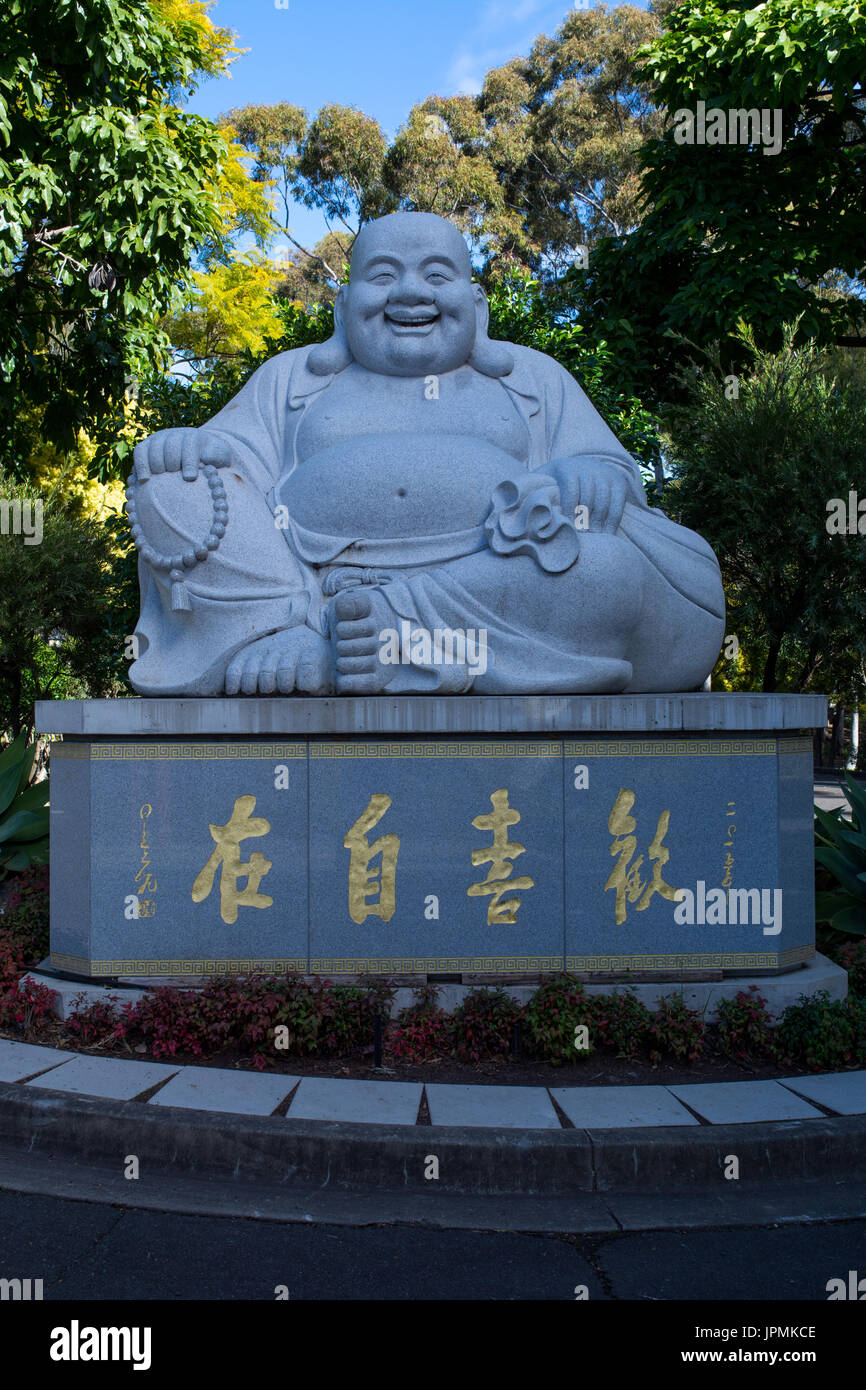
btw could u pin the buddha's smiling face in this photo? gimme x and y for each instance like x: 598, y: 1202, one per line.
x: 410, y: 308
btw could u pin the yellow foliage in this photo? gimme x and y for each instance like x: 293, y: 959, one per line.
x: 66, y: 475
x: 244, y: 204
x: 232, y: 309
x: 217, y: 45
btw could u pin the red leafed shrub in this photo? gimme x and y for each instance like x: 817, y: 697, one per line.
x: 420, y: 1033
x: 11, y: 963
x: 675, y: 1029
x: 169, y: 1021
x: 745, y: 1027
x: 101, y: 1023
x: 621, y: 1022
x: 24, y: 922
x: 553, y: 1016
x: 482, y: 1025
x: 26, y: 1006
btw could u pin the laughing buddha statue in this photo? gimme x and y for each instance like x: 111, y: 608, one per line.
x: 364, y: 504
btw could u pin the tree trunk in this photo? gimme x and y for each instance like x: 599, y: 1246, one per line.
x: 769, y: 681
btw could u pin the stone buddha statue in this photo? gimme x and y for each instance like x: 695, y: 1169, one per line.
x: 374, y: 513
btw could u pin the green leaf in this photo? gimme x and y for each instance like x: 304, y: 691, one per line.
x: 24, y: 825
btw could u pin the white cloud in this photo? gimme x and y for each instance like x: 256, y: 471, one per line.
x: 505, y: 29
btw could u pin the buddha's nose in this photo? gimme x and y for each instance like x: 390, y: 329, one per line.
x: 411, y: 290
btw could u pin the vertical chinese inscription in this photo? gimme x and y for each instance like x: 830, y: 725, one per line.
x: 498, y: 856
x: 730, y: 830
x: 365, y: 880
x: 227, y: 857
x: 625, y: 877
x: 144, y: 879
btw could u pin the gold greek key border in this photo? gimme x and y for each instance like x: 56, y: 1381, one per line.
x: 462, y: 749
x: 436, y: 965
x: 73, y: 752
x: 433, y: 965
x: 673, y: 748
x: 796, y: 745
x: 710, y: 960
x: 201, y: 966
x: 195, y: 752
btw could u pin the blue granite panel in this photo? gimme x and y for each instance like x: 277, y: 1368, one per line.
x: 70, y: 855
x: 719, y: 799
x: 796, y: 834
x: 431, y: 794
x: 189, y: 787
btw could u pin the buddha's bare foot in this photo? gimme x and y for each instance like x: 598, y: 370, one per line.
x: 359, y: 616
x: 294, y: 659
x: 372, y: 655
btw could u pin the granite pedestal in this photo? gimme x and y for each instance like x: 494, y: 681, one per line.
x: 413, y: 836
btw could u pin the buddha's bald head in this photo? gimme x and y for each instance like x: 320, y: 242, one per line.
x: 399, y: 231
x: 410, y: 308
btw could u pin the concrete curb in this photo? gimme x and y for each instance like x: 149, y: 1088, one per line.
x: 381, y: 1157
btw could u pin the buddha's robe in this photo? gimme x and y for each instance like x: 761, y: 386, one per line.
x: 551, y: 600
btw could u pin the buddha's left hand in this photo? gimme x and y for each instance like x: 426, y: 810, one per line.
x: 592, y: 483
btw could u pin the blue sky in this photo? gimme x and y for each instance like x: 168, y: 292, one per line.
x: 382, y: 56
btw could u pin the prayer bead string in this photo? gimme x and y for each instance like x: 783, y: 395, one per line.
x: 187, y: 559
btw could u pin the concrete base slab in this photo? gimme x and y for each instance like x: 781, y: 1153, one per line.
x: 111, y: 1078
x: 843, y: 1092
x: 361, y: 1102
x: 71, y: 994
x: 502, y: 1107
x: 21, y: 1060
x: 217, y: 1088
x: 779, y: 991
x: 621, y: 1107
x: 744, y: 1102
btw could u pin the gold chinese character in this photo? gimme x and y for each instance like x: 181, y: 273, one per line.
x: 362, y: 879
x: 627, y: 880
x: 241, y: 826
x: 497, y: 856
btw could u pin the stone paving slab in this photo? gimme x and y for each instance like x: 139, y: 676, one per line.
x: 357, y: 1102
x: 621, y: 1107
x: 744, y: 1102
x: 18, y: 1060
x: 844, y: 1092
x: 499, y: 1107
x: 219, y: 1088
x: 111, y: 1078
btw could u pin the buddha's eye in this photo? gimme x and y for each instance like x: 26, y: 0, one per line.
x: 437, y: 276
x: 382, y: 277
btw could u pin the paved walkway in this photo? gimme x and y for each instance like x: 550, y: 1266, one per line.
x: 830, y: 792
x: 398, y: 1102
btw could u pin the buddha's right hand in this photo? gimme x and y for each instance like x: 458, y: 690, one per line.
x: 184, y: 450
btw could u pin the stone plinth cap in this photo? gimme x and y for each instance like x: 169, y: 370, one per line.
x: 245, y: 717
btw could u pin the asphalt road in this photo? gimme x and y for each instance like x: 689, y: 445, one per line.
x: 86, y: 1251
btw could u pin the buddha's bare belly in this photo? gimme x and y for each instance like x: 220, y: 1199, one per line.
x: 386, y: 485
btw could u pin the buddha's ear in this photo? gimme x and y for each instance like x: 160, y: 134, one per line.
x: 482, y: 311
x: 334, y: 355
x: 488, y: 357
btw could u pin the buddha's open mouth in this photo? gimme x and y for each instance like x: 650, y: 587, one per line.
x: 411, y: 322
